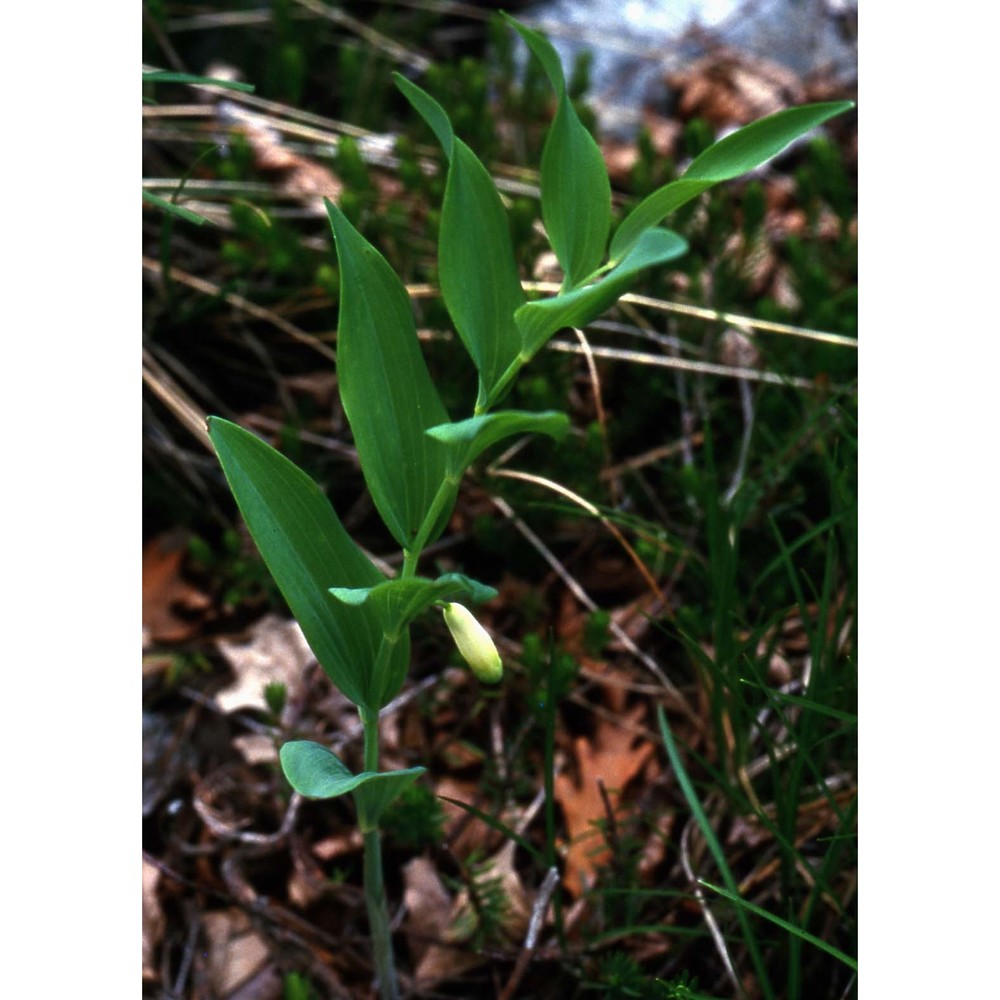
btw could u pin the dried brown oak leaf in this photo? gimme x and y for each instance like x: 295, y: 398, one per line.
x: 614, y: 757
x: 170, y: 605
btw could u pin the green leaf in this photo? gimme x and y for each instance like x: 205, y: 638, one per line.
x: 307, y: 550
x: 385, y: 387
x: 576, y: 191
x: 480, y: 284
x: 467, y: 439
x: 537, y: 321
x: 317, y: 773
x: 398, y: 602
x: 738, y: 153
x: 428, y: 109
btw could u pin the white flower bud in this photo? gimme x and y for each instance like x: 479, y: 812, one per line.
x: 474, y: 643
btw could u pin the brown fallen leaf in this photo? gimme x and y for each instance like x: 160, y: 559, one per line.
x: 729, y: 87
x: 170, y: 605
x: 429, y: 907
x: 613, y: 757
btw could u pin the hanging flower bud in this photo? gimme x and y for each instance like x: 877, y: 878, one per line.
x: 474, y: 643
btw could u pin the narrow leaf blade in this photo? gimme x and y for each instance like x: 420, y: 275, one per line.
x: 385, y: 387
x: 480, y: 284
x: 576, y: 191
x: 738, y: 153
x: 428, y: 109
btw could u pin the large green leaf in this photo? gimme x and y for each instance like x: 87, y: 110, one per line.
x: 385, y: 387
x: 398, y: 602
x: 318, y: 773
x: 307, y: 550
x: 467, y: 439
x: 537, y: 321
x: 428, y: 109
x: 576, y: 191
x: 738, y: 153
x: 478, y: 272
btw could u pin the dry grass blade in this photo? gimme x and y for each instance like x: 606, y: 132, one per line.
x: 549, y: 484
x: 679, y: 701
x: 238, y: 302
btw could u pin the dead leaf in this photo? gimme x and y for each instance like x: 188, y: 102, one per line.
x: 429, y: 906
x: 152, y: 921
x: 170, y: 605
x: 275, y: 651
x: 728, y: 87
x: 236, y: 952
x: 614, y: 757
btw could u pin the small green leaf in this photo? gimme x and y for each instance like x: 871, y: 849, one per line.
x: 307, y: 550
x: 538, y: 321
x: 738, y: 153
x: 467, y: 439
x: 478, y: 272
x: 318, y: 773
x: 398, y: 602
x: 576, y: 191
x: 385, y: 387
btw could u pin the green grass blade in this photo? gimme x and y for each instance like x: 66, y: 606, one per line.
x: 176, y: 210
x: 735, y: 897
x: 495, y: 824
x: 715, y: 848
x: 166, y: 76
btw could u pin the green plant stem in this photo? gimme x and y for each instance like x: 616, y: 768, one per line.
x: 375, y: 900
x: 411, y: 556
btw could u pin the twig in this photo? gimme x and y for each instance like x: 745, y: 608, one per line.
x: 529, y: 477
x: 680, y: 702
x: 713, y: 927
x: 238, y: 302
x: 538, y: 911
